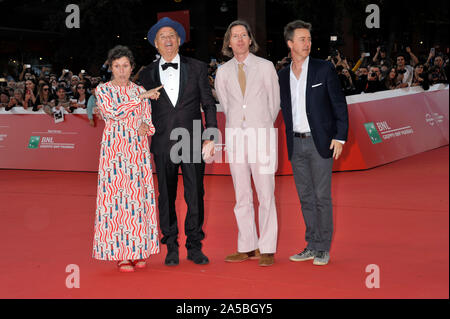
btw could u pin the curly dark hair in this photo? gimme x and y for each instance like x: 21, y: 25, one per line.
x: 118, y: 52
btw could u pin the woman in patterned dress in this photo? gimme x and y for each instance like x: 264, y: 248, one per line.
x: 125, y: 222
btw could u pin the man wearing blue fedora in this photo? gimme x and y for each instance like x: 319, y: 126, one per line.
x: 185, y: 88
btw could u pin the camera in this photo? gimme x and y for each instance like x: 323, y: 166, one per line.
x: 373, y: 75
x: 401, y: 71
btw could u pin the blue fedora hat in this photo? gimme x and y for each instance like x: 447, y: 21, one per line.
x: 166, y: 22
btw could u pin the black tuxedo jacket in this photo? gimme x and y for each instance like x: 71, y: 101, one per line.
x: 194, y: 94
x: 326, y: 106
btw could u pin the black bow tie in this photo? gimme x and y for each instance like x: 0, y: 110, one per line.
x: 168, y: 65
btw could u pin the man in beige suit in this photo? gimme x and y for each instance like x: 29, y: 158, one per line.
x: 248, y: 90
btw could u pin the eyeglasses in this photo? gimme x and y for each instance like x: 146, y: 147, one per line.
x: 80, y: 88
x: 45, y: 89
x: 236, y: 36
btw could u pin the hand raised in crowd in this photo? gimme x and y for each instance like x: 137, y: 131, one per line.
x: 151, y: 94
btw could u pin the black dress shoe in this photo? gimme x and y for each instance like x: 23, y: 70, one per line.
x: 172, y: 258
x: 197, y: 257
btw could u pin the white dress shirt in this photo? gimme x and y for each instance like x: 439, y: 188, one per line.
x: 298, y: 99
x: 170, y: 78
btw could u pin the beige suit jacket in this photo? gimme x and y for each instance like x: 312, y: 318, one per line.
x: 261, y: 103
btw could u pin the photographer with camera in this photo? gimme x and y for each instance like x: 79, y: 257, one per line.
x: 374, y: 83
x: 361, y: 78
x: 381, y: 58
x: 406, y: 72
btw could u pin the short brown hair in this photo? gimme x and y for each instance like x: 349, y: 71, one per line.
x: 120, y: 51
x: 226, y: 50
x: 290, y: 28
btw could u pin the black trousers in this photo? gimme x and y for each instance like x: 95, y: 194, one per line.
x: 167, y: 174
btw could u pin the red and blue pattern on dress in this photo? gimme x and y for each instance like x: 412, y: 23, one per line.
x: 125, y: 219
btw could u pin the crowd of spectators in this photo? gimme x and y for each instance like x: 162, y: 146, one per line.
x: 46, y: 91
x: 381, y: 72
x: 49, y: 92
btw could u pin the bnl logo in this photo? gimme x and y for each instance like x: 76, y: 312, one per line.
x: 373, y: 133
x: 34, y: 142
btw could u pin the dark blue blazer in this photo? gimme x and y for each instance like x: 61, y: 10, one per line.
x: 326, y: 106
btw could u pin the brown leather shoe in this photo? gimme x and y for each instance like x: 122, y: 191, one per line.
x: 239, y: 257
x: 266, y: 260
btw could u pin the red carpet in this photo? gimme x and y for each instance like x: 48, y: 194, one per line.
x: 395, y: 216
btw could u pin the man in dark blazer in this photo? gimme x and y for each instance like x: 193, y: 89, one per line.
x: 177, y: 142
x: 316, y: 119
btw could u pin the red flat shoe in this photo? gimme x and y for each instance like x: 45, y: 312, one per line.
x: 125, y: 266
x: 140, y: 264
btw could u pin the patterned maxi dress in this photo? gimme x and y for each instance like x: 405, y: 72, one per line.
x: 125, y: 218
